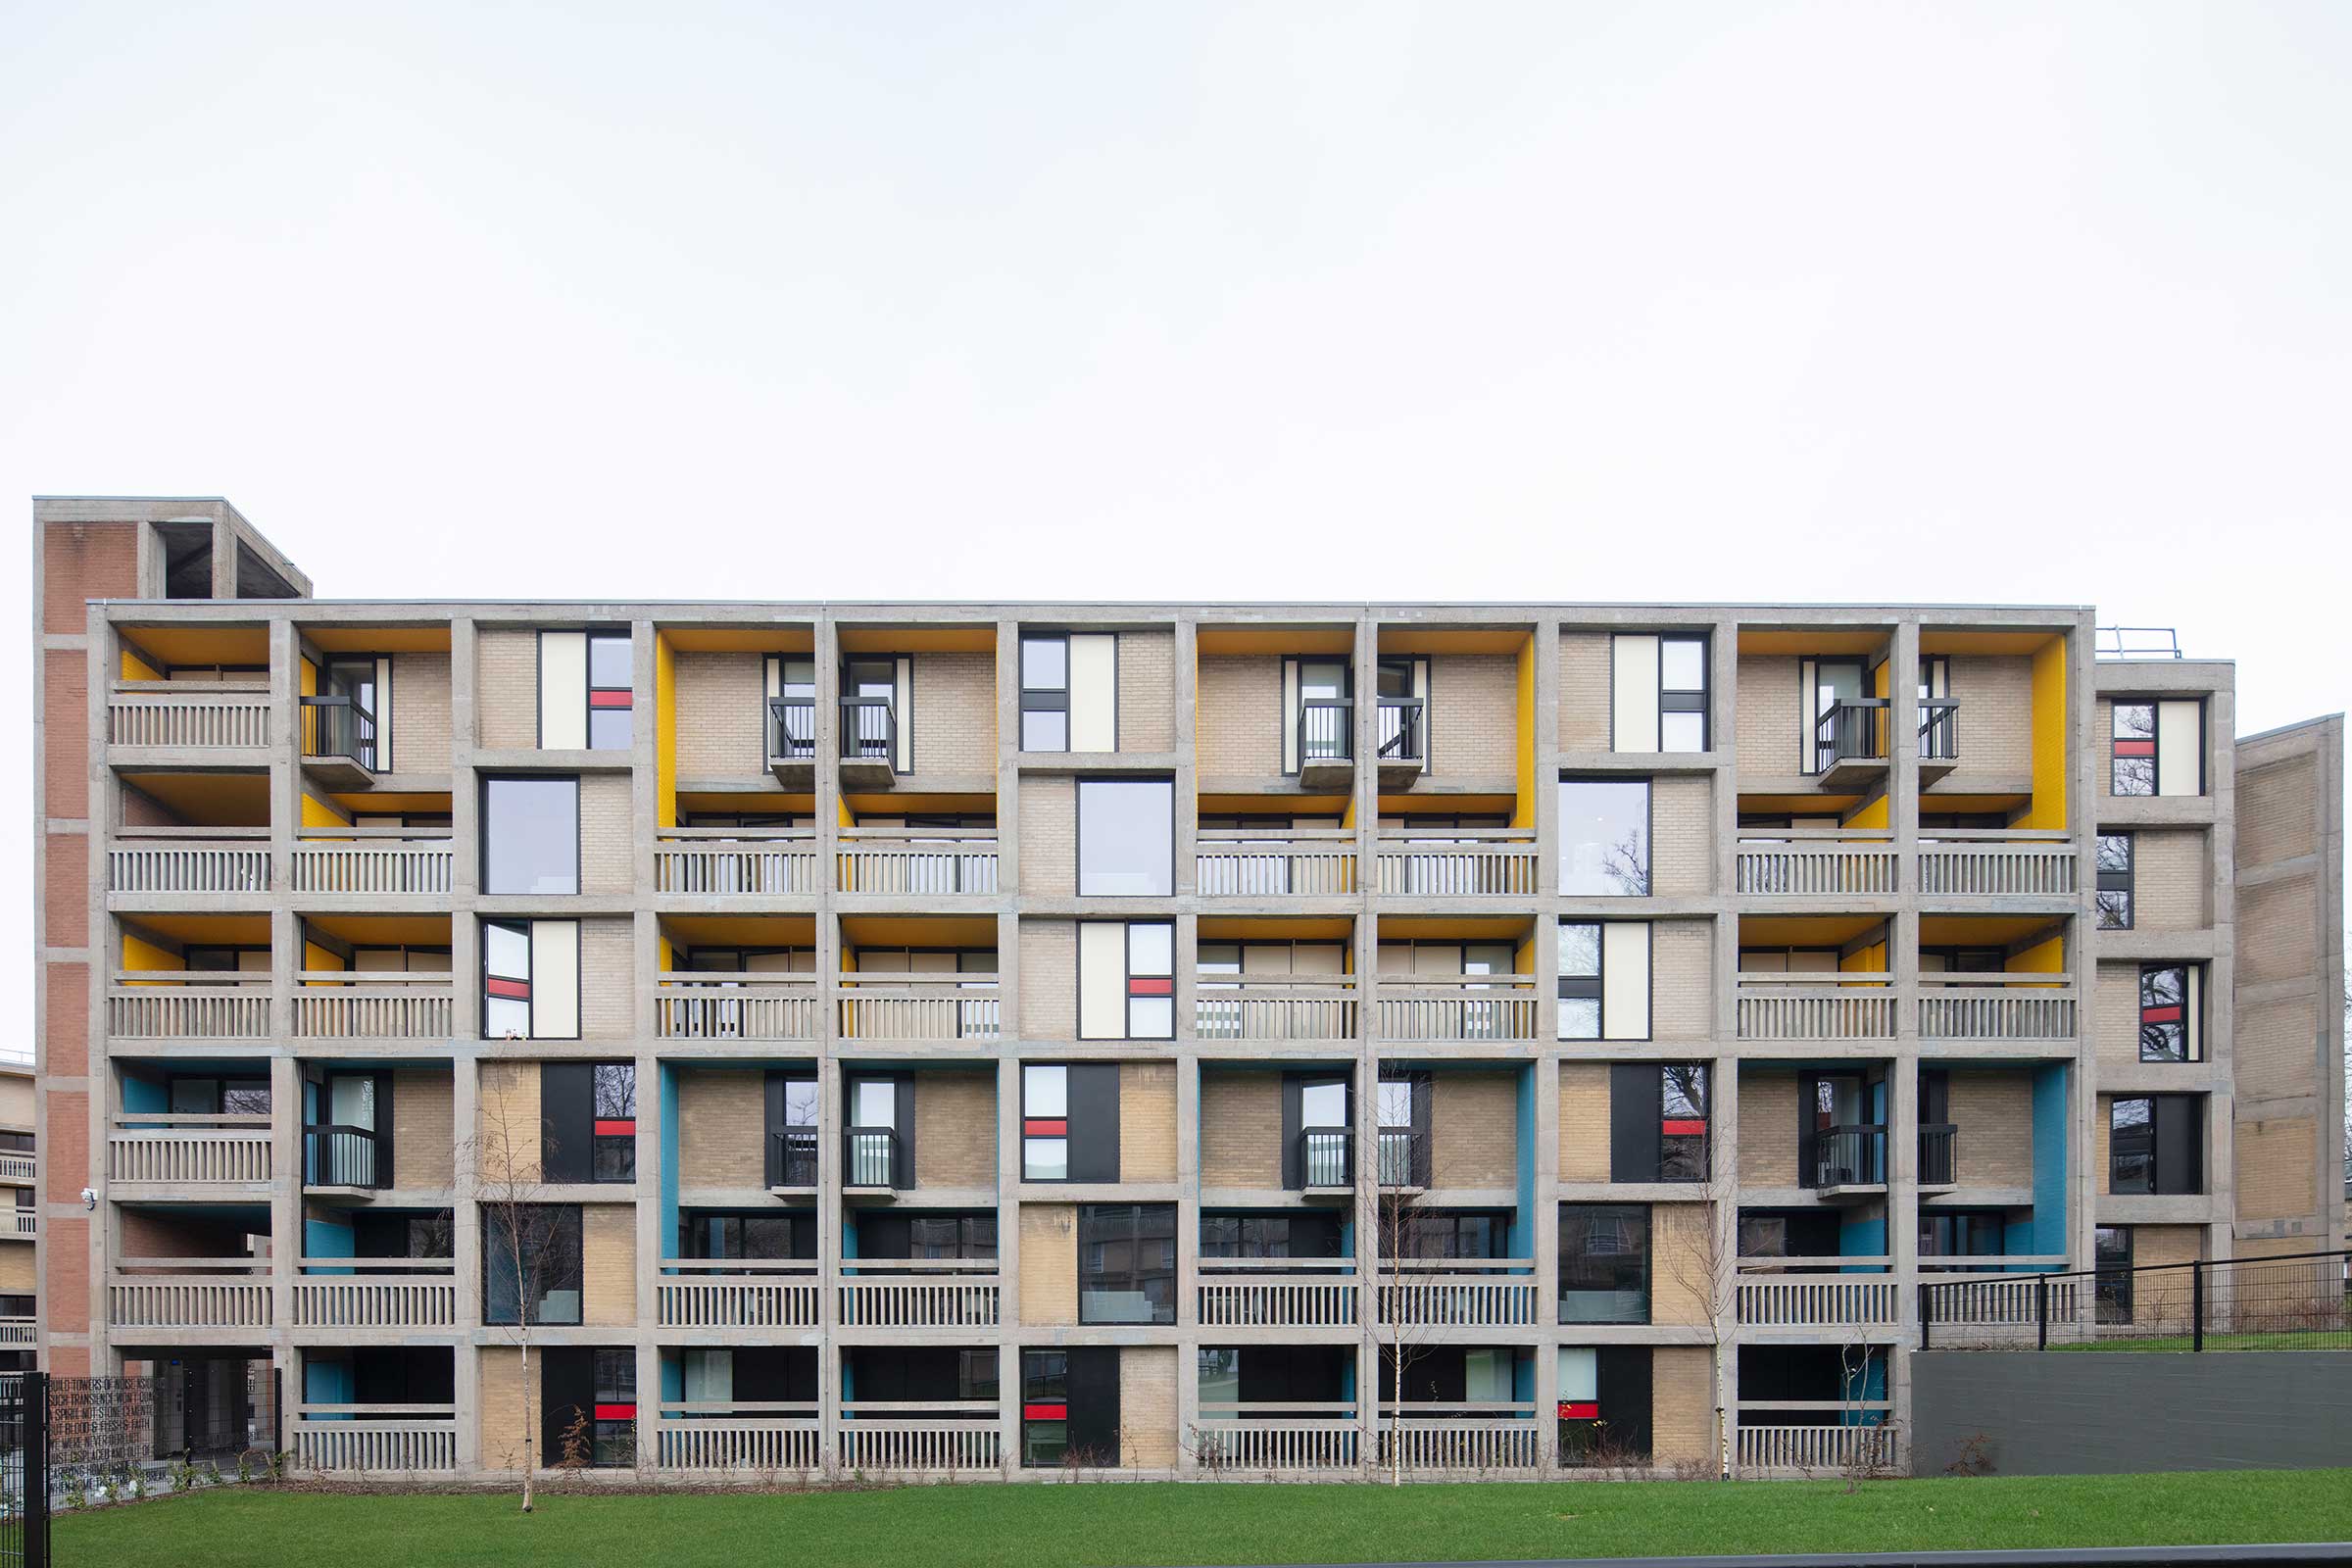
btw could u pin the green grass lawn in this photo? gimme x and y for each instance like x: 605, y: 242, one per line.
x: 1115, y: 1523
x: 2297, y: 1340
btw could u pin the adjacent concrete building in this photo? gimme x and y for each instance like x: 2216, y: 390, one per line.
x: 1002, y: 1038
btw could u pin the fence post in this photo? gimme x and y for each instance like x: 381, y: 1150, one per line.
x: 1927, y: 1314
x: 2042, y: 1312
x: 34, y: 1435
x: 2196, y: 1307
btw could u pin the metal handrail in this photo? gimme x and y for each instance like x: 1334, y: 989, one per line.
x: 790, y: 728
x: 869, y: 1156
x: 337, y: 726
x: 1325, y: 729
x: 2116, y: 642
x: 1848, y: 731
x: 1936, y: 1153
x: 1326, y: 1156
x: 869, y: 731
x: 1852, y: 1155
x: 1401, y: 741
x: 335, y: 1155
x: 1939, y: 729
x: 795, y: 1156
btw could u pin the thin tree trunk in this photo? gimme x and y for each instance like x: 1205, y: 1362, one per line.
x: 526, y: 1423
x: 1397, y: 1415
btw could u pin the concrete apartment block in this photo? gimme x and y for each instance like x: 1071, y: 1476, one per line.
x: 1565, y: 990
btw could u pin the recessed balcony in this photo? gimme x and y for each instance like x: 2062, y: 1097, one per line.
x: 736, y: 1293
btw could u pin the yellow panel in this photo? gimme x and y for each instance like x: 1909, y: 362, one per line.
x: 1456, y: 640
x: 215, y: 799
x: 665, y: 733
x: 965, y: 639
x: 1454, y: 927
x: 190, y: 643
x: 141, y: 954
x: 918, y: 931
x: 1984, y: 930
x: 1800, y: 640
x: 1932, y: 640
x: 752, y: 803
x: 420, y: 801
x: 316, y: 812
x: 1273, y: 928
x: 137, y: 669
x: 915, y: 805
x: 210, y: 930
x: 378, y: 639
x: 1873, y: 815
x: 1805, y: 930
x: 2048, y: 809
x: 1275, y: 804
x: 841, y: 808
x: 321, y: 958
x: 740, y: 930
x: 1870, y: 959
x: 1276, y: 640
x: 1797, y: 805
x: 665, y: 957
x: 1407, y: 805
x: 1524, y: 808
x: 2047, y: 957
x: 741, y: 639
x: 384, y: 930
x: 1937, y: 801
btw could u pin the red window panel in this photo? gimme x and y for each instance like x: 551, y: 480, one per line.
x: 616, y: 1412
x: 519, y: 990
x: 1045, y: 1412
x: 616, y: 1129
x: 2136, y: 747
x: 1683, y: 1128
x: 1044, y: 1127
x: 2167, y: 1015
x: 610, y: 699
x: 1148, y: 986
x: 1580, y: 1409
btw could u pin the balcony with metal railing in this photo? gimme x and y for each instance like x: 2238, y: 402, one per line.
x: 1401, y: 739
x: 1849, y: 745
x: 874, y: 1165
x: 339, y: 742
x: 791, y: 740
x: 1325, y: 729
x: 869, y: 743
x: 344, y: 1159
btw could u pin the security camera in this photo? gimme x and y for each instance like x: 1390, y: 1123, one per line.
x: 89, y: 1198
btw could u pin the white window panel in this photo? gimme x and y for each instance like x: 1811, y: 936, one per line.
x: 563, y: 691
x: 1101, y: 981
x: 2180, y: 747
x: 1625, y: 980
x: 1094, y: 692
x: 555, y: 979
x: 1634, y: 693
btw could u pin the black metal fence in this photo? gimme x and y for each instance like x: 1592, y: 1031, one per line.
x: 23, y: 1470
x: 2293, y: 1303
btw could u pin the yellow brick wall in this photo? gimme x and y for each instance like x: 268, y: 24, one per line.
x: 1679, y: 1284
x: 1474, y: 1130
x: 1473, y: 714
x: 1241, y: 1129
x: 1682, y: 961
x: 2165, y: 1302
x: 1995, y: 694
x: 423, y: 1129
x: 955, y: 1129
x: 1049, y: 1263
x: 2115, y: 1004
x: 608, y: 1263
x: 1584, y: 1121
x: 2278, y: 931
x: 1146, y: 691
x: 1048, y: 836
x: 507, y: 1424
x: 1147, y: 1121
x: 722, y: 1128
x: 1237, y: 725
x: 2277, y: 811
x: 421, y: 713
x: 2275, y: 1159
x: 2275, y: 1052
x: 720, y: 701
x: 509, y: 1130
x: 607, y: 861
x: 1681, y: 1404
x: 1682, y: 849
x: 1992, y: 1113
x: 1583, y: 691
x: 1768, y: 1129
x: 2168, y: 880
x: 608, y: 979
x: 1049, y: 978
x: 1148, y: 1408
x: 17, y: 1276
x: 506, y: 665
x: 1770, y: 715
x: 955, y: 723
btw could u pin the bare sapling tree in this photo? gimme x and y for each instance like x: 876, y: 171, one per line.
x: 525, y: 1243
x: 1704, y: 1262
x: 1387, y: 1186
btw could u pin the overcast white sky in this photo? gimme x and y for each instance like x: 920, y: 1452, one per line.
x: 1560, y: 301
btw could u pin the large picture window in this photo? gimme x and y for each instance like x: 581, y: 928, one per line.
x: 1605, y: 838
x: 1605, y: 1263
x: 2156, y: 1145
x: 531, y: 1266
x: 2168, y: 1012
x: 2117, y: 873
x: 530, y: 836
x: 1126, y: 838
x: 1127, y: 1263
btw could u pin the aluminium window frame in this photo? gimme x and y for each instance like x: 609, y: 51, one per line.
x: 2192, y: 1040
x: 2154, y: 742
x: 1683, y: 699
x: 1649, y: 829
x: 1078, y: 830
x: 524, y: 923
x: 579, y: 831
x: 2125, y: 881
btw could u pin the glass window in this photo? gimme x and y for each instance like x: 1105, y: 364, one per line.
x: 530, y: 836
x: 2134, y: 761
x: 1044, y: 1123
x: 613, y: 1139
x: 1221, y: 1378
x: 1683, y: 1122
x: 1150, y: 980
x: 506, y: 979
x: 2166, y: 1032
x: 609, y: 697
x: 1126, y: 838
x: 1605, y: 838
x: 1045, y: 1408
x: 1429, y: 1233
x: 1605, y: 1263
x: 1580, y: 980
x: 615, y: 1443
x: 2131, y: 1145
x: 1127, y: 1263
x: 531, y: 1256
x: 2111, y: 1252
x: 1681, y: 694
x: 2115, y: 875
x: 1045, y: 693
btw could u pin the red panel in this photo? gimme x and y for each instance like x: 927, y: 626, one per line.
x: 519, y: 990
x: 610, y: 699
x: 1683, y: 1128
x: 2171, y: 1014
x: 617, y: 1129
x: 616, y: 1412
x: 1580, y: 1409
x: 2136, y: 747
x: 1045, y: 1412
x: 1145, y: 986
x: 1041, y: 1127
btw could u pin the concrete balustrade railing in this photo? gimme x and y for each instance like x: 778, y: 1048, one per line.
x: 1293, y: 863
x: 750, y: 1294
x: 1276, y: 1006
x: 379, y: 862
x: 182, y: 1151
x: 711, y: 1004
x: 374, y: 1438
x: 736, y: 862
x: 1488, y: 1007
x: 203, y: 859
x: 737, y: 1436
x: 944, y: 863
x: 1463, y: 863
x: 347, y: 1004
x: 164, y: 715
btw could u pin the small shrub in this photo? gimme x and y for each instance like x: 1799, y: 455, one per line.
x: 1974, y: 1457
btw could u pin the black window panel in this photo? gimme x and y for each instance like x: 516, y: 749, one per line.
x: 1093, y: 1120
x: 1623, y: 1385
x: 1433, y: 1374
x: 768, y: 1374
x: 1277, y: 1235
x: 530, y: 835
x: 1457, y: 1233
x: 1605, y: 1262
x: 568, y: 1118
x: 1962, y: 1233
x: 567, y: 1394
x: 1093, y: 1381
x: 391, y: 1233
x: 912, y: 1373
x: 1127, y: 1263
x: 1808, y: 1372
x: 1634, y: 1110
x: 1296, y: 1374
x: 392, y: 1374
x: 767, y: 1235
x: 1789, y: 1233
x: 2111, y: 1251
x: 2180, y: 1144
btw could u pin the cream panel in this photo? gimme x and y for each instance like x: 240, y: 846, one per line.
x: 563, y: 691
x: 1094, y: 692
x: 1633, y: 694
x: 1102, y: 980
x: 1625, y: 980
x: 555, y: 979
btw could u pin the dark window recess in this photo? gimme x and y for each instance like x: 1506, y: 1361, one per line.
x: 758, y: 1235
x: 915, y: 1374
x: 531, y: 1264
x: 2156, y: 1145
x: 1455, y: 1232
x: 1963, y: 1232
x: 1605, y: 1263
x: 1790, y: 1233
x: 588, y: 1121
x: 2116, y: 871
x: 589, y: 1414
x: 791, y: 1155
x: 926, y: 1236
x: 1127, y: 1263
x: 1658, y: 1122
x: 2111, y: 1254
x: 1296, y: 1235
x: 392, y: 1233
x: 1610, y: 1421
x: 1071, y: 1407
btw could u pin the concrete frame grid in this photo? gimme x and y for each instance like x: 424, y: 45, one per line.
x: 1539, y: 1062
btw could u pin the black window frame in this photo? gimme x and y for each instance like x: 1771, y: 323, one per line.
x: 523, y: 925
x: 1085, y: 783
x: 1649, y: 824
x: 1099, y: 1229
x: 2116, y: 900
x: 564, y: 1232
x: 489, y: 833
x: 1577, y: 1274
x: 2112, y: 1277
x: 2116, y: 738
x: 2174, y: 1120
x: 629, y: 693
x: 613, y: 1440
x: 1042, y: 699
x: 1683, y: 699
x: 2192, y: 1044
